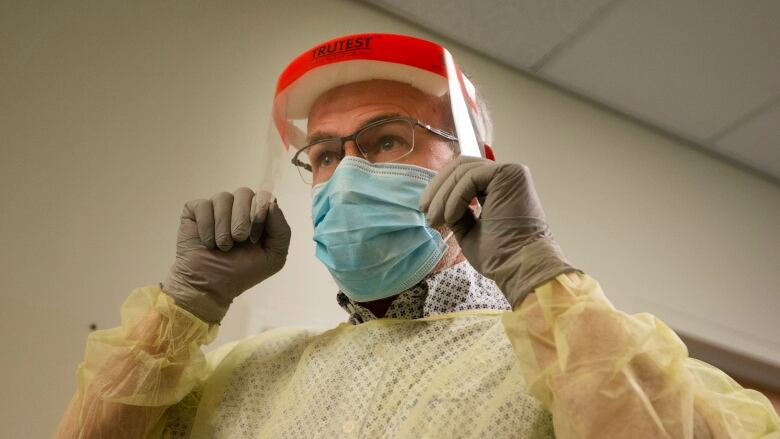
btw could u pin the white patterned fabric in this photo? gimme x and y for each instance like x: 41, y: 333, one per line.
x: 456, y: 288
x: 447, y: 376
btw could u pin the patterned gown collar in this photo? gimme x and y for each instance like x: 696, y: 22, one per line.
x: 457, y: 288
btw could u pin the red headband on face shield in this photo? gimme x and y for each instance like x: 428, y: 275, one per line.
x: 421, y: 64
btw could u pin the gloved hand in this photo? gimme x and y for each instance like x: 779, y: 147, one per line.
x: 510, y: 241
x: 225, y: 246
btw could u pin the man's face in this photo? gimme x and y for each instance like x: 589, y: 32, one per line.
x: 343, y: 110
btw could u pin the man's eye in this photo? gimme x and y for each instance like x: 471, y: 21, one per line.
x: 387, y: 143
x: 326, y: 158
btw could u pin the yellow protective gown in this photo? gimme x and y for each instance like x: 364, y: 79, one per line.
x: 599, y: 372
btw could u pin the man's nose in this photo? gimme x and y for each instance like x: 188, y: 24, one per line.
x: 351, y: 149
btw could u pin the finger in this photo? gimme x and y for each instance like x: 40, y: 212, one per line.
x: 188, y: 227
x: 203, y: 212
x: 258, y: 214
x: 519, y: 176
x: 434, y: 186
x: 436, y: 209
x: 223, y: 208
x: 475, y: 181
x: 277, y: 232
x: 240, y: 222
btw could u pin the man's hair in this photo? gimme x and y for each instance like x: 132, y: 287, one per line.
x: 484, y: 120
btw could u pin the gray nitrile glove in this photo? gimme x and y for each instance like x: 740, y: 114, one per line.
x: 225, y: 246
x: 510, y: 241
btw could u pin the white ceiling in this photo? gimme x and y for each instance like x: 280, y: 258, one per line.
x: 707, y: 71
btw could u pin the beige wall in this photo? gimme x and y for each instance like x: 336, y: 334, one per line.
x: 112, y: 114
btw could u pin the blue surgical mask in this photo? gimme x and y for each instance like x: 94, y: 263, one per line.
x: 369, y: 230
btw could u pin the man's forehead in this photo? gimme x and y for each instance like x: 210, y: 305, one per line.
x: 366, y: 93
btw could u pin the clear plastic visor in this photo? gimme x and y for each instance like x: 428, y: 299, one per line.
x: 415, y: 117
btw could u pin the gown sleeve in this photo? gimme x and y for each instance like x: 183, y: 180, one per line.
x: 132, y: 374
x: 604, y: 373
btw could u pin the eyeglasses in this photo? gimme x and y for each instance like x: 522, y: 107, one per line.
x: 383, y: 141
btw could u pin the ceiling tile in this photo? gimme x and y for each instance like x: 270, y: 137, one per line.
x: 757, y: 142
x: 691, y: 67
x: 518, y: 32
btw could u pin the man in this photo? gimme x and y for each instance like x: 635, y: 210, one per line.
x: 465, y: 318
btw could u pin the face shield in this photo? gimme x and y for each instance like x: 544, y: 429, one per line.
x: 380, y: 97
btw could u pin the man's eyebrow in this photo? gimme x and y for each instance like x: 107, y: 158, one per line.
x: 380, y: 117
x: 318, y: 136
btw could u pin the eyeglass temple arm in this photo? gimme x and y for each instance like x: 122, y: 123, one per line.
x: 438, y: 131
x: 297, y: 162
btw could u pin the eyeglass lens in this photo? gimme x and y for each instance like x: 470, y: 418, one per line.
x: 380, y: 143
